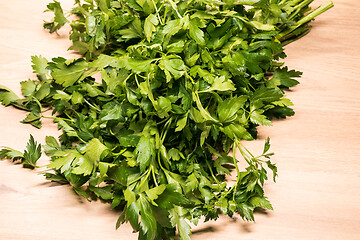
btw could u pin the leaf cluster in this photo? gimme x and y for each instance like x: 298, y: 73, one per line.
x: 30, y: 156
x: 182, y: 84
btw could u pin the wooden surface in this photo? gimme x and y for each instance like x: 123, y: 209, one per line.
x: 317, y: 195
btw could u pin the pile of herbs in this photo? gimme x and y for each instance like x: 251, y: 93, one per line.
x: 182, y: 84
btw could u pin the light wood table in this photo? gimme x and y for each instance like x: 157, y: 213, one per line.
x: 317, y: 195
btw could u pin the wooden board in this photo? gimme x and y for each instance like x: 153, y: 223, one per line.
x: 317, y: 195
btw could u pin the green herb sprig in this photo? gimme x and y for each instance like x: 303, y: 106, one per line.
x: 182, y: 84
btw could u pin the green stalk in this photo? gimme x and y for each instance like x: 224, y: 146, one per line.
x: 304, y: 4
x: 153, y: 175
x: 92, y: 106
x: 147, y: 173
x: 157, y: 12
x: 211, y: 171
x: 247, y: 2
x: 316, y: 13
x: 55, y: 118
x: 173, y: 5
x: 308, y: 28
x: 234, y: 159
x: 282, y: 36
x: 299, y: 8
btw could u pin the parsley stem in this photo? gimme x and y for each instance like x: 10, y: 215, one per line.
x: 37, y: 102
x: 173, y: 5
x: 153, y: 175
x: 188, y: 75
x: 299, y: 8
x: 310, y: 16
x: 46, y: 109
x: 242, y: 152
x: 119, y: 153
x: 165, y: 12
x: 127, y: 78
x: 159, y: 161
x: 286, y: 42
x: 92, y: 106
x: 315, y: 13
x: 247, y: 150
x: 234, y: 159
x: 138, y: 178
x: 55, y: 118
x: 211, y: 171
x: 247, y: 2
x: 157, y: 12
x: 162, y: 121
x: 67, y: 114
x: 167, y: 126
x: 237, y: 170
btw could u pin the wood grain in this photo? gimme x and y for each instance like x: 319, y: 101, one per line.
x: 317, y: 195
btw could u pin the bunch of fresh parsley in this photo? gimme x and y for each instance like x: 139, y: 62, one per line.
x: 182, y: 83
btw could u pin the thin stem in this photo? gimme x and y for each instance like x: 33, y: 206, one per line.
x: 119, y: 153
x: 92, y: 106
x: 127, y: 78
x: 286, y: 42
x: 144, y: 179
x: 188, y: 75
x: 159, y: 161
x: 211, y: 171
x: 138, y: 178
x: 153, y: 175
x: 316, y: 12
x: 246, y: 150
x: 247, y: 2
x: 68, y: 115
x: 55, y: 118
x: 167, y: 126
x: 243, y: 153
x: 282, y: 36
x: 37, y: 102
x: 173, y: 5
x: 162, y: 121
x: 299, y: 8
x: 157, y: 12
x: 237, y: 169
x: 234, y: 160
